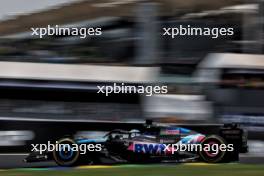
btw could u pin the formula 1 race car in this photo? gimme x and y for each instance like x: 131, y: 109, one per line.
x: 156, y: 143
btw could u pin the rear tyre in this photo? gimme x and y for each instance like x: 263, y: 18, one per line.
x: 67, y: 153
x: 214, y: 154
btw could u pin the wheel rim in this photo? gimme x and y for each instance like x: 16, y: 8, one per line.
x: 210, y: 153
x: 212, y: 156
x: 66, y: 156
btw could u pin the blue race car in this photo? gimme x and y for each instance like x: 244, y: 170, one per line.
x: 155, y: 143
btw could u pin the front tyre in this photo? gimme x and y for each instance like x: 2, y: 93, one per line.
x: 211, y: 152
x: 67, y: 153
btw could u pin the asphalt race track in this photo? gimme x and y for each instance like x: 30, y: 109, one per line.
x: 8, y: 161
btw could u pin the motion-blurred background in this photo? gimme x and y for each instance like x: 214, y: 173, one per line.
x: 52, y: 81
